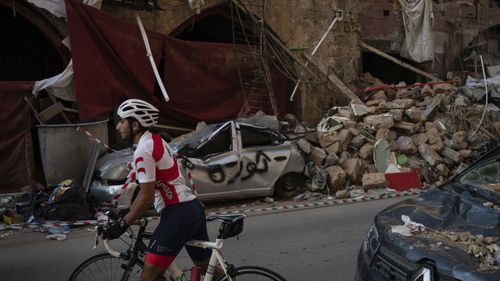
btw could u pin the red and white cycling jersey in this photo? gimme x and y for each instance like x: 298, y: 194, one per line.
x: 154, y: 162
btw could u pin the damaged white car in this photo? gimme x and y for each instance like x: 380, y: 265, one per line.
x: 230, y: 160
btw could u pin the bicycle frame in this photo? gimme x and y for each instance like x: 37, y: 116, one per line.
x: 215, y: 258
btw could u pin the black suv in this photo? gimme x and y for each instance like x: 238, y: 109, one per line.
x: 462, y: 221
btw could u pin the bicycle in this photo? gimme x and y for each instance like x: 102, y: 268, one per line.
x: 127, y: 265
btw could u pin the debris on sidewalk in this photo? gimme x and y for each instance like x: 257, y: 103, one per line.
x: 415, y: 136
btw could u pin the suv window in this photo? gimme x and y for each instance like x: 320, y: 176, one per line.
x: 252, y: 137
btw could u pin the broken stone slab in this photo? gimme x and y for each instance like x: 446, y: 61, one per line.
x: 419, y: 138
x: 460, y: 136
x: 442, y: 170
x: 379, y: 121
x: 387, y: 134
x: 436, y: 101
x: 397, y: 114
x: 466, y: 153
x: 434, y: 140
x: 335, y: 148
x: 354, y: 131
x: 429, y: 154
x: 452, y: 154
x: 344, y: 137
x: 326, y: 140
x: 358, y: 141
x: 457, y: 145
x: 373, y: 180
x: 373, y: 103
x: 304, y: 146
x: 360, y: 109
x: 352, y: 167
x: 318, y: 156
x: 441, y: 127
x: 414, y: 114
x: 366, y: 152
x: 405, y: 145
x: 403, y: 103
x: 336, y: 178
x: 331, y: 159
x: 406, y: 127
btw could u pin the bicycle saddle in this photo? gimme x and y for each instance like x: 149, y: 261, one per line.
x: 227, y: 218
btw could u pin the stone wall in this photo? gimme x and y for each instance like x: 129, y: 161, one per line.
x: 299, y: 24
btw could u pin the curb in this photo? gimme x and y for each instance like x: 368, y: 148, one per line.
x: 326, y: 203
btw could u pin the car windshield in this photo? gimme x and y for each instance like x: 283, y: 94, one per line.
x: 195, y: 138
x: 486, y: 176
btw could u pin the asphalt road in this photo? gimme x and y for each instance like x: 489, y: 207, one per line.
x: 318, y: 244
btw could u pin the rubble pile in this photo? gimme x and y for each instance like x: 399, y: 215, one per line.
x: 432, y: 129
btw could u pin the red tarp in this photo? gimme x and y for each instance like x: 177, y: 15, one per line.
x: 16, y: 148
x: 110, y: 66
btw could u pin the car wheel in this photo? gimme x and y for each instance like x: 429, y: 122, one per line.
x: 288, y: 185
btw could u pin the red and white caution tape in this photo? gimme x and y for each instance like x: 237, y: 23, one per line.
x: 324, y: 203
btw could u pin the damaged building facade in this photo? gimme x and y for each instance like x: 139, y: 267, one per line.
x: 281, y: 36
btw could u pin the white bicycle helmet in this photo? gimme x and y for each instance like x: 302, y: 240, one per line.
x: 144, y: 112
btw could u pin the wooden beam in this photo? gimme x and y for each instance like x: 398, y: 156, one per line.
x: 333, y: 79
x: 396, y: 61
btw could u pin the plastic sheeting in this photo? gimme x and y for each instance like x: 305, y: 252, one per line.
x: 61, y: 85
x: 58, y: 7
x: 16, y: 148
x: 417, y: 18
x: 201, y: 78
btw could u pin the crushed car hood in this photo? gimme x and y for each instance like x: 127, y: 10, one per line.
x: 444, y: 212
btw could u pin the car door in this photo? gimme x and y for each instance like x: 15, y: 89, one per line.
x: 263, y: 157
x: 215, y: 170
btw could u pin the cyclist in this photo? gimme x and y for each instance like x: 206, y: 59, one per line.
x: 182, y: 216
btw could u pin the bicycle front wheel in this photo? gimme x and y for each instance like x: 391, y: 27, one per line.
x: 253, y: 273
x: 104, y: 267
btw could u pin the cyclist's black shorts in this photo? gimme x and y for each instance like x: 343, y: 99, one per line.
x: 178, y: 224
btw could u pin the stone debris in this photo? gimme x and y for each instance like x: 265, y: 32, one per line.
x: 373, y: 180
x: 426, y: 128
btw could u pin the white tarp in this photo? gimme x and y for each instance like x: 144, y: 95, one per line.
x: 196, y: 5
x: 61, y: 85
x: 58, y: 8
x: 417, y: 18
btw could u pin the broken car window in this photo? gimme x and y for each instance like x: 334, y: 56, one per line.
x: 219, y: 143
x: 486, y: 176
x: 252, y: 136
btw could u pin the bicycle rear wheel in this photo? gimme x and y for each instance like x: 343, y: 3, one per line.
x: 104, y: 267
x: 253, y: 273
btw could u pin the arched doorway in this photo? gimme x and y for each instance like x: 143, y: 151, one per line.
x: 31, y: 49
x: 230, y: 25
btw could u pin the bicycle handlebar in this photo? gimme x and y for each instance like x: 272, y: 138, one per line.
x: 110, y: 250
